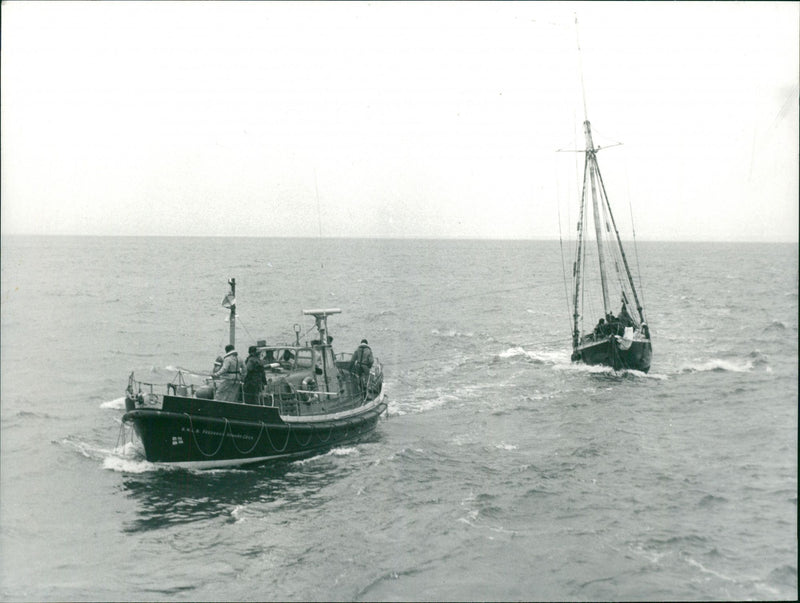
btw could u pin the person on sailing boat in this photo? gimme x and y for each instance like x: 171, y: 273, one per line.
x: 229, y: 375
x: 625, y: 318
x: 600, y: 329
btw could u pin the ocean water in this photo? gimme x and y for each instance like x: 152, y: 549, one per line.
x: 502, y: 471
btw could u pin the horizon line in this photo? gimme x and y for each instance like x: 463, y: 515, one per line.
x: 390, y: 238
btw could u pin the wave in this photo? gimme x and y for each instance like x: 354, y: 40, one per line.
x: 339, y: 451
x: 422, y: 404
x: 126, y: 465
x: 550, y: 357
x: 343, y: 451
x: 116, y: 404
x: 450, y: 333
x: 127, y: 458
x: 30, y: 414
x: 236, y: 514
x: 709, y: 500
x: 597, y: 369
x: 559, y: 360
x: 758, y: 357
x: 717, y: 365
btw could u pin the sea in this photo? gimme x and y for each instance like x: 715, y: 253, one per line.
x: 502, y: 471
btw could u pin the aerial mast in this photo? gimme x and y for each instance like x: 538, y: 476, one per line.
x: 231, y: 299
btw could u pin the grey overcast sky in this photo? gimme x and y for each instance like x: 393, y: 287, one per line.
x: 407, y: 119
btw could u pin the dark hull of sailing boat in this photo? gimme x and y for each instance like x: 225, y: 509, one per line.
x: 607, y: 352
x: 200, y: 433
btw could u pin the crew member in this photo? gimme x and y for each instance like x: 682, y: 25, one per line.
x: 229, y: 375
x: 625, y: 318
x: 254, y: 379
x: 362, y: 363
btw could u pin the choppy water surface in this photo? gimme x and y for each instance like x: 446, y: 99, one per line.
x: 502, y: 471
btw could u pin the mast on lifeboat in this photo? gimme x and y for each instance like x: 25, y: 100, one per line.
x: 229, y: 301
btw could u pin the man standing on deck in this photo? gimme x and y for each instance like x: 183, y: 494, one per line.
x: 254, y: 379
x: 362, y: 363
x: 229, y: 376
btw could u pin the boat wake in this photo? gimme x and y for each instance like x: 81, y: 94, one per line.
x: 124, y: 459
x: 718, y: 365
x: 116, y: 404
x: 549, y: 357
x: 579, y: 367
x: 335, y: 452
x: 423, y: 402
x: 128, y: 459
x: 559, y: 360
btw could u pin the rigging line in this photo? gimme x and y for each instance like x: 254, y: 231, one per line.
x: 561, y: 244
x: 239, y: 321
x: 639, y: 306
x: 633, y: 230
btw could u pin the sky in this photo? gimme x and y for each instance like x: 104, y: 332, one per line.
x: 398, y: 119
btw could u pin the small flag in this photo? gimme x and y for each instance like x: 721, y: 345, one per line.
x: 229, y: 301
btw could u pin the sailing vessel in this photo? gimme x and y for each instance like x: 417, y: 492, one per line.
x: 621, y: 341
x: 308, y: 401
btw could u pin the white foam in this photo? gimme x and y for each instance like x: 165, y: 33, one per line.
x: 538, y: 356
x: 116, y: 404
x: 504, y: 446
x: 716, y: 364
x: 419, y: 406
x: 705, y: 570
x: 340, y: 451
x: 122, y: 465
x: 511, y: 352
x: 86, y: 450
x: 236, y: 513
x: 554, y: 357
x: 343, y: 451
x: 585, y: 368
x: 450, y: 333
x: 640, y: 374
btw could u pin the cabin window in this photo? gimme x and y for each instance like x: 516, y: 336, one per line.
x: 286, y: 357
x: 305, y: 359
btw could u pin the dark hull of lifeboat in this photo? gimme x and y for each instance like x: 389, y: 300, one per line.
x: 190, y: 432
x: 607, y: 352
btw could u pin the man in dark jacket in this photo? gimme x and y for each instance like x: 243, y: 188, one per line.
x: 362, y: 363
x: 254, y: 379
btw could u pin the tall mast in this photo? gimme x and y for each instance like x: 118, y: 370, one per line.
x: 594, y: 172
x: 576, y: 268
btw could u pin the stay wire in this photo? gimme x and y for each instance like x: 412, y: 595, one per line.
x: 563, y: 267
